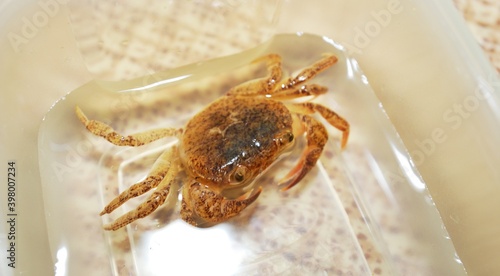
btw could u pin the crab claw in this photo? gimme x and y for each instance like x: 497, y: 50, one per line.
x: 202, y: 206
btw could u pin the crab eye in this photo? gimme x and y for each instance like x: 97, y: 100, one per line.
x: 238, y: 175
x: 286, y: 138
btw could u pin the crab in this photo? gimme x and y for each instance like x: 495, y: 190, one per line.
x: 228, y: 144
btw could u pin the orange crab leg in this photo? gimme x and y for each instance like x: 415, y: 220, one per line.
x: 302, y: 91
x: 154, y: 178
x: 329, y: 115
x: 316, y: 136
x: 107, y: 132
x: 292, y: 87
x: 201, y: 205
x: 308, y: 73
x: 156, y: 199
x: 263, y: 85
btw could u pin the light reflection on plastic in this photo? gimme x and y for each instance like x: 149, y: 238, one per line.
x: 332, y: 42
x: 180, y: 249
x: 352, y: 65
x: 350, y: 69
x: 62, y: 257
x: 457, y: 259
x: 364, y: 79
x: 415, y: 179
x: 381, y: 179
x: 158, y: 83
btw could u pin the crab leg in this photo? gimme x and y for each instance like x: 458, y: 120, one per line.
x: 160, y: 168
x: 329, y: 115
x: 302, y: 91
x: 156, y: 199
x: 261, y: 86
x: 308, y: 73
x: 292, y: 87
x: 316, y: 137
x: 101, y: 129
x: 201, y: 203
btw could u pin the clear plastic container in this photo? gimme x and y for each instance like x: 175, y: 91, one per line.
x: 378, y: 217
x: 363, y: 210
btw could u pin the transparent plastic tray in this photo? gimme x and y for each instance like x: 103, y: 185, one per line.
x: 362, y: 210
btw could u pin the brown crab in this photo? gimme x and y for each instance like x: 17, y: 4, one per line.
x: 228, y: 144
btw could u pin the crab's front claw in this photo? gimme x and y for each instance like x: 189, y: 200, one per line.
x: 202, y: 206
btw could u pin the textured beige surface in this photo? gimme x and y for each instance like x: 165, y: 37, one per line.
x: 480, y: 256
x: 158, y: 35
x: 108, y: 42
x: 483, y: 18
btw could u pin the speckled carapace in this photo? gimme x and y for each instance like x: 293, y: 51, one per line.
x: 229, y: 143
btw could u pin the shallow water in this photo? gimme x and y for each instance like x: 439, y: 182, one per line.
x: 363, y: 210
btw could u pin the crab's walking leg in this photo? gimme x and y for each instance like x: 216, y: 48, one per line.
x: 261, y: 86
x: 201, y: 205
x: 101, y: 129
x: 160, y: 169
x: 329, y: 115
x: 302, y: 91
x: 307, y: 73
x: 292, y: 87
x: 316, y: 137
x: 157, y: 198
